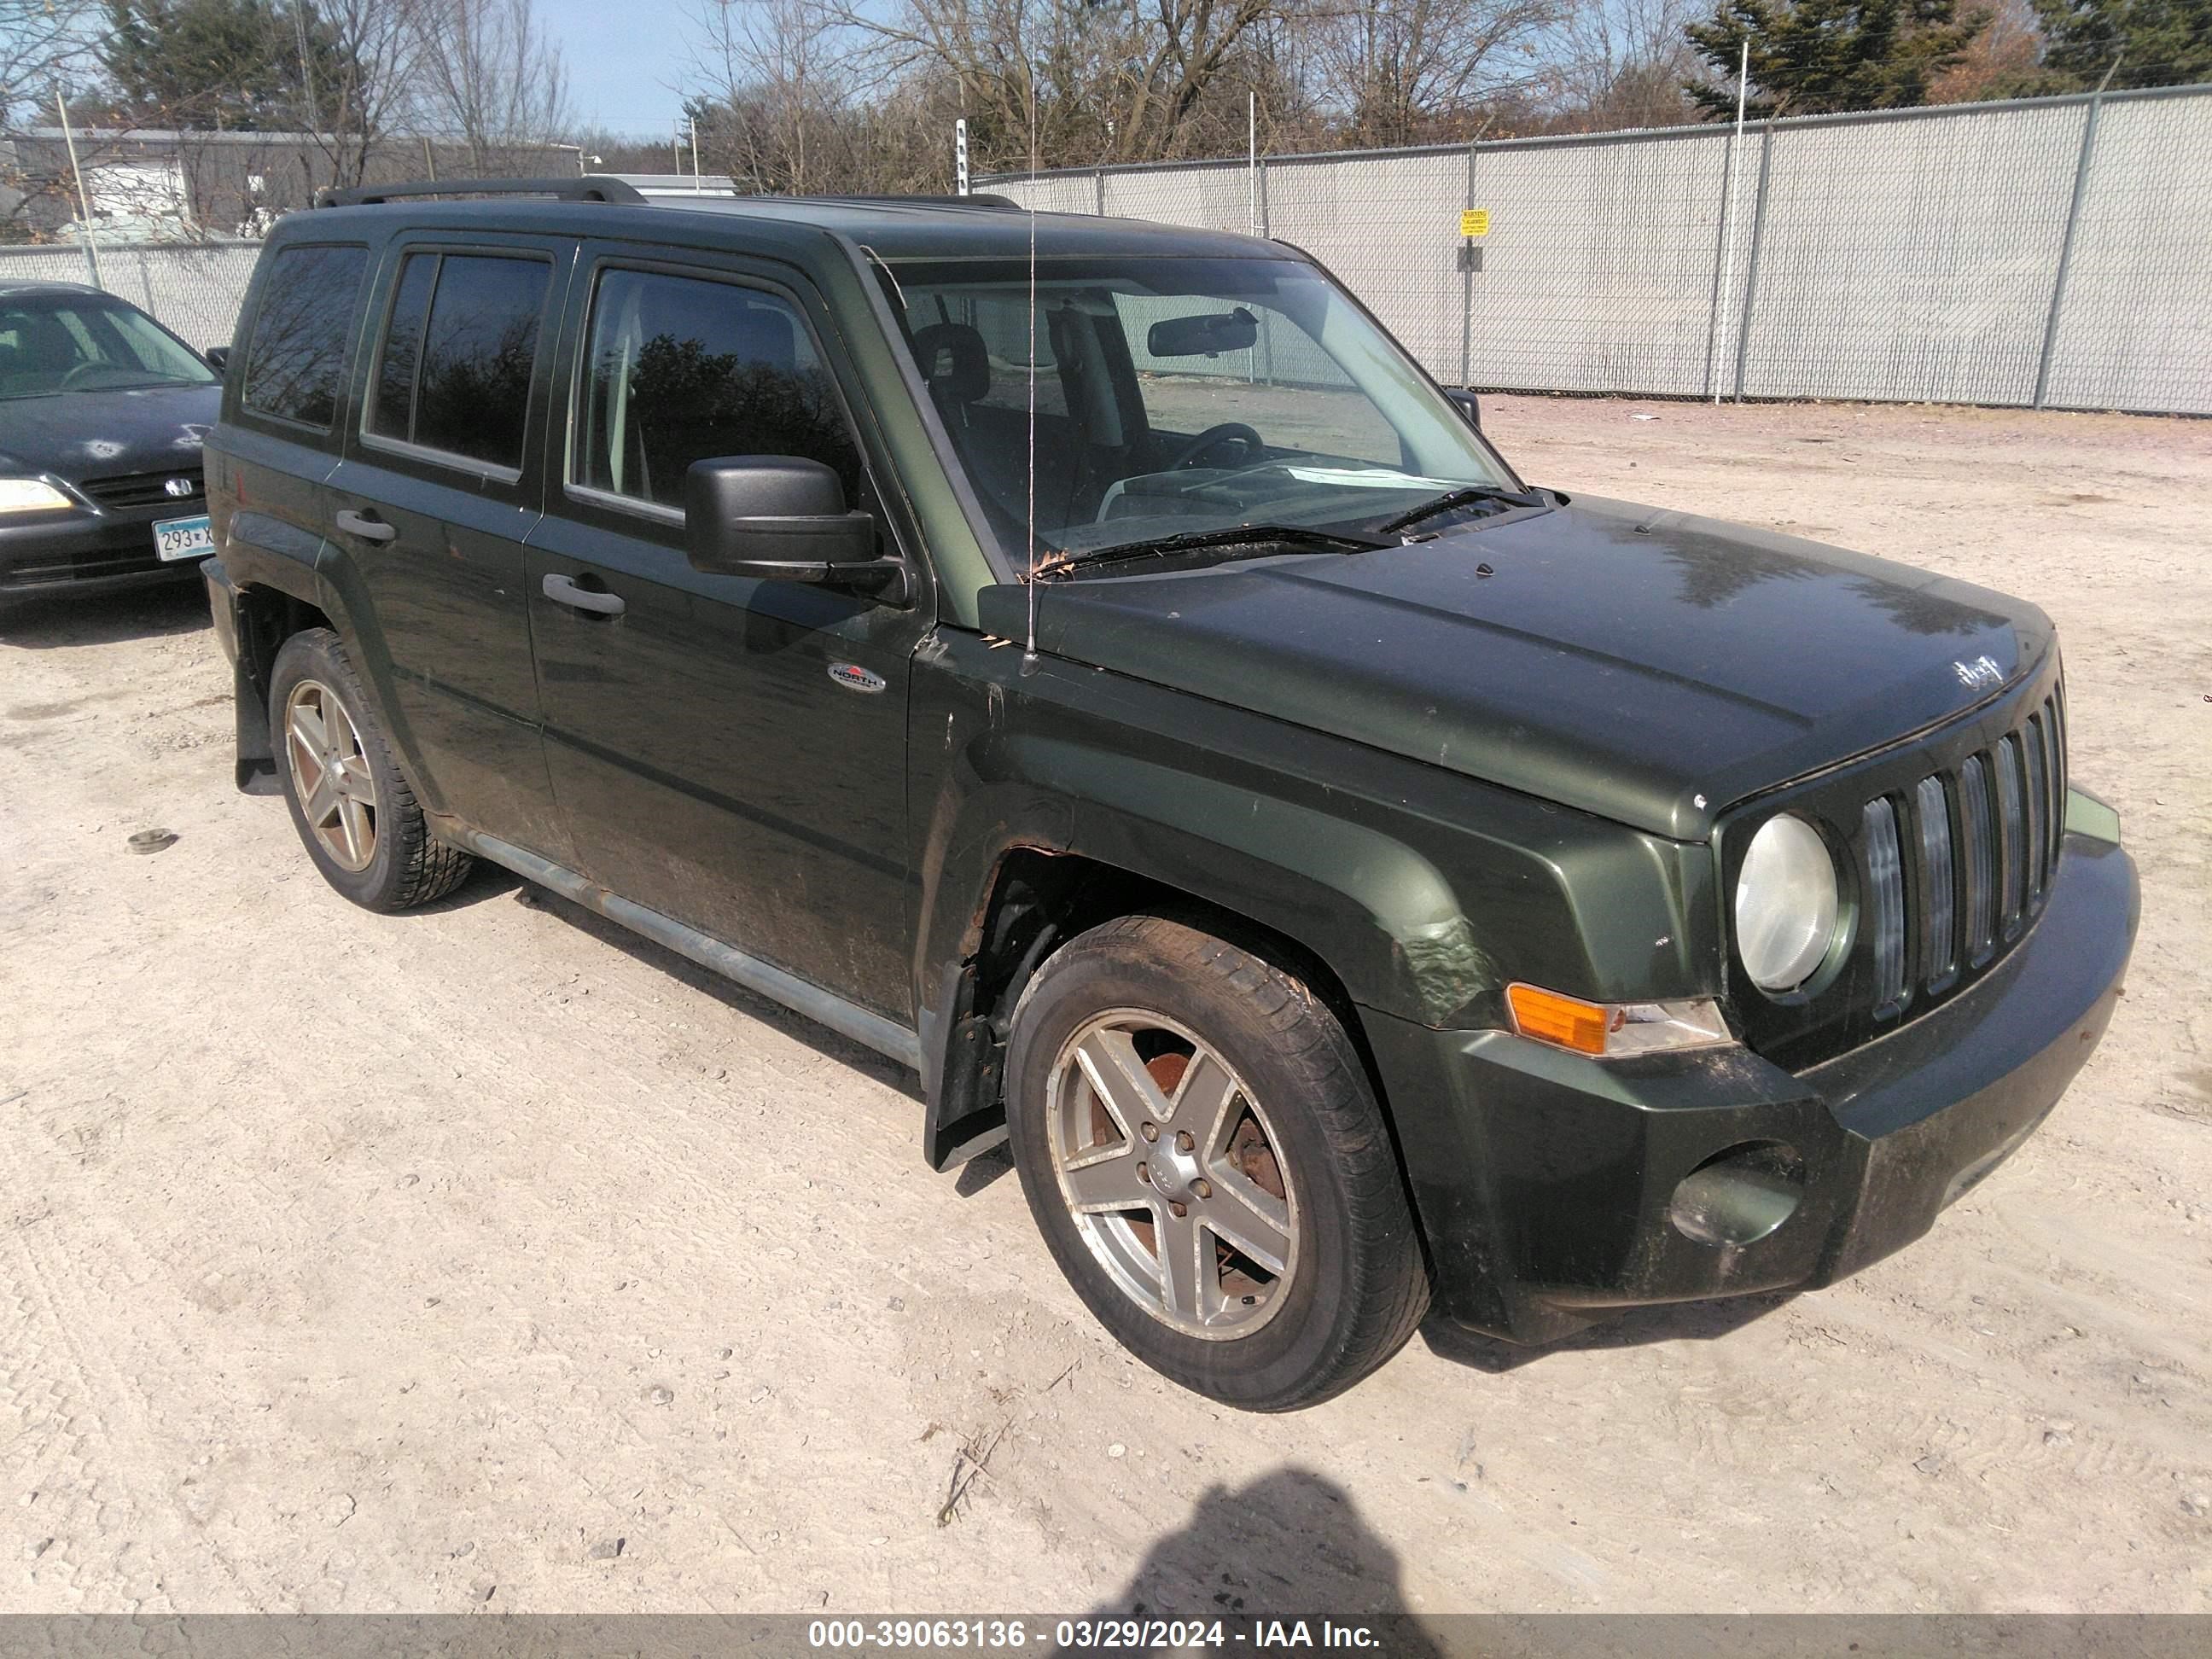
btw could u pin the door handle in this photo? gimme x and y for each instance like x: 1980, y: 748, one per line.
x: 561, y: 590
x: 366, y: 526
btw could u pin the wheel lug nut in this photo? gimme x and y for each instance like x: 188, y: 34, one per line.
x: 1180, y: 1210
x: 1150, y: 1131
x: 1201, y: 1189
x: 1145, y: 1173
x: 1183, y: 1141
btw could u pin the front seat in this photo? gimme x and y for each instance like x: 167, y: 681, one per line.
x: 953, y: 361
x: 956, y: 364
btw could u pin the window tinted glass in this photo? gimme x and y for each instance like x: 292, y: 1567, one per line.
x: 683, y: 370
x: 296, y: 362
x: 473, y: 381
x: 393, y: 411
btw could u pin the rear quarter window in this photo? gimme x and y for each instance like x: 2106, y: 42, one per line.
x: 295, y: 359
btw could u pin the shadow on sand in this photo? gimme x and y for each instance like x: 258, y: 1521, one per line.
x: 46, y: 620
x: 1290, y: 1544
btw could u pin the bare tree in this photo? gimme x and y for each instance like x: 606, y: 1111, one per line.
x: 2004, y: 60
x: 781, y: 86
x: 1621, y: 63
x: 46, y: 46
x: 43, y: 44
x: 1407, y: 71
x: 1121, y: 80
x: 487, y: 72
x: 356, y: 105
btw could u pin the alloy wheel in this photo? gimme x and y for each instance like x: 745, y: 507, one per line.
x: 331, y: 773
x: 1173, y: 1175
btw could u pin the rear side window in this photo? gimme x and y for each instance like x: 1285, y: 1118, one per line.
x: 681, y: 370
x: 453, y: 368
x: 296, y: 361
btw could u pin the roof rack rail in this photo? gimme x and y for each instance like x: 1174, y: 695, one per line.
x: 590, y: 188
x: 979, y: 200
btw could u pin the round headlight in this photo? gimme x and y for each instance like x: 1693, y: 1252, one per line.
x: 1785, y: 904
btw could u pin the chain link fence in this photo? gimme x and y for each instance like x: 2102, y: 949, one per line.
x: 195, y: 289
x: 2047, y: 252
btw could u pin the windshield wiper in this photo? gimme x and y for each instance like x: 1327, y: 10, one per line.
x: 1261, y: 535
x: 1466, y: 496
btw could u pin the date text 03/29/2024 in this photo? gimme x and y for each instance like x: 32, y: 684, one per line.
x: 1085, y: 1635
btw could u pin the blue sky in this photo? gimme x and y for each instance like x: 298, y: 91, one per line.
x: 622, y: 58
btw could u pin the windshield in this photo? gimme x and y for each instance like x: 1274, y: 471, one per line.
x: 53, y: 343
x: 1177, y: 397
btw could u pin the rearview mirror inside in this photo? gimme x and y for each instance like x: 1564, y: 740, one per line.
x: 782, y: 518
x: 1206, y: 334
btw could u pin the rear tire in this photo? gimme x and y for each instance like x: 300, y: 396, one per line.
x: 1197, y: 1142
x: 354, y: 811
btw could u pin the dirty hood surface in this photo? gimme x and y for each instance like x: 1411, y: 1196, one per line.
x: 1650, y: 667
x: 103, y: 435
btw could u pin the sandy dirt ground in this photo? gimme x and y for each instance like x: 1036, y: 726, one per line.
x: 491, y: 1258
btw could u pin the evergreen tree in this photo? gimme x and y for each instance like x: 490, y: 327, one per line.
x: 1816, y: 57
x: 2155, y: 43
x: 241, y: 64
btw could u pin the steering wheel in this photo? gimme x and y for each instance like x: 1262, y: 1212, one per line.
x: 83, y: 369
x: 1212, y: 438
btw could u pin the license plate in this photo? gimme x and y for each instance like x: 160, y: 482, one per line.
x: 182, y: 538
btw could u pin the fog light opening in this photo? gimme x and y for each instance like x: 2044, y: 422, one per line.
x: 1738, y: 1196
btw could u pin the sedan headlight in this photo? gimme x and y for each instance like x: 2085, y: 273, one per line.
x: 31, y: 496
x: 1785, y: 904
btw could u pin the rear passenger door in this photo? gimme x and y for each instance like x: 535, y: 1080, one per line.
x: 269, y: 463
x: 712, y: 766
x: 440, y: 482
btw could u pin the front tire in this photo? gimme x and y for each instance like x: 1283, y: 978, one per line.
x: 353, y: 811
x: 1198, y: 1143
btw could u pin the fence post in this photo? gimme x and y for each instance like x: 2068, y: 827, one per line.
x: 2066, y: 245
x: 1466, y: 285
x: 1266, y: 336
x: 1098, y: 191
x: 1750, y: 271
x: 1721, y: 261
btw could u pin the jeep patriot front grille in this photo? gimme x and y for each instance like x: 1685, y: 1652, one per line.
x: 1956, y: 868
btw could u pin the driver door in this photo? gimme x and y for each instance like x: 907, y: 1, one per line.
x: 728, y: 751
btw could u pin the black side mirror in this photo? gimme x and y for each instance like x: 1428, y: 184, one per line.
x: 782, y: 518
x: 218, y: 357
x: 1468, y: 405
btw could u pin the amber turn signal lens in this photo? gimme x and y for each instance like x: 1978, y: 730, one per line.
x: 1569, y: 1022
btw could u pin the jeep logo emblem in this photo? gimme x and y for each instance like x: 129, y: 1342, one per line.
x: 180, y: 488
x: 1978, y: 675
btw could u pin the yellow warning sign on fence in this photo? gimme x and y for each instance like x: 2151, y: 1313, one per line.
x: 1474, y: 222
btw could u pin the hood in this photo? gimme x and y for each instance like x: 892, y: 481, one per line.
x: 1650, y: 667
x: 77, y: 436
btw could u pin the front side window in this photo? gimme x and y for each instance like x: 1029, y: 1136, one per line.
x: 682, y: 369
x: 1177, y: 396
x: 295, y: 360
x: 460, y: 342
x: 55, y: 343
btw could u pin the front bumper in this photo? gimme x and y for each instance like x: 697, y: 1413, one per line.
x: 1550, y: 1186
x: 86, y: 553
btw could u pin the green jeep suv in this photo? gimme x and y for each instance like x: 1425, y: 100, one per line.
x: 1092, y: 664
